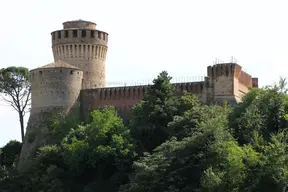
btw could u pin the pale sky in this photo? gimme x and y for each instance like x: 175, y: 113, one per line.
x: 146, y: 37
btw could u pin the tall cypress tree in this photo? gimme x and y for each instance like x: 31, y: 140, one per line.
x: 151, y: 116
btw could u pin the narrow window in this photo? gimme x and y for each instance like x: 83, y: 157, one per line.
x: 74, y: 33
x: 59, y: 34
x: 53, y: 36
x: 71, y: 50
x: 75, y: 50
x: 66, y: 34
x: 93, y: 34
x: 83, y: 33
x: 71, y: 72
x: 99, y: 34
x: 40, y: 72
x: 92, y: 51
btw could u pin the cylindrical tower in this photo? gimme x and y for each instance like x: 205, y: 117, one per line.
x: 81, y: 45
x: 55, y: 87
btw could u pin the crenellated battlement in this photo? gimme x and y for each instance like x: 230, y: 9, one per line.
x: 81, y: 45
x: 191, y: 87
x: 79, y: 36
x: 117, y: 93
x: 223, y: 69
x: 137, y: 92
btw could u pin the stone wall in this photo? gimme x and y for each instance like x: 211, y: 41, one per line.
x: 85, y: 49
x: 54, y: 87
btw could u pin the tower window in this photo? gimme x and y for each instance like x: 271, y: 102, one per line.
x: 71, y: 72
x: 83, y: 33
x: 93, y: 34
x: 74, y: 33
x: 53, y: 36
x: 59, y: 34
x: 40, y: 72
x: 66, y: 34
x: 99, y: 34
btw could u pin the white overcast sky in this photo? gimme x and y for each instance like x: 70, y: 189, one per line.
x: 146, y: 37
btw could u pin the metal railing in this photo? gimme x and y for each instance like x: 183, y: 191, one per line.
x: 150, y: 81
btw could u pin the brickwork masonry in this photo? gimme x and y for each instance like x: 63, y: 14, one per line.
x: 224, y: 82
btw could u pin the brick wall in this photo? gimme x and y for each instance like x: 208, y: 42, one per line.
x: 224, y: 82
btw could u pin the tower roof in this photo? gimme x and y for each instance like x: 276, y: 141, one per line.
x: 58, y: 64
x: 79, y: 24
x: 79, y: 20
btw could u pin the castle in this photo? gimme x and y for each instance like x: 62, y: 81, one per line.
x: 77, y: 76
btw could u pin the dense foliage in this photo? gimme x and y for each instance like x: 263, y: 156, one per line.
x: 172, y: 144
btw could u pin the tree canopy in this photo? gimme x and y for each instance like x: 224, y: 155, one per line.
x: 15, y: 89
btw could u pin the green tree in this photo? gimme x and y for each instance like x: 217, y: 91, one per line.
x: 178, y: 165
x: 270, y: 173
x: 151, y: 117
x: 95, y: 156
x: 100, y: 152
x: 229, y: 167
x: 10, y: 153
x: 15, y: 86
x: 262, y: 111
x: 192, y: 114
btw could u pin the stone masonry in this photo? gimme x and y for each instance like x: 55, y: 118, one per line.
x: 77, y: 77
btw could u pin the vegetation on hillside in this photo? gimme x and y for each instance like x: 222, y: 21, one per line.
x: 172, y: 144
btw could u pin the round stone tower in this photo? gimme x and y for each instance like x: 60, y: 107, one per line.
x: 55, y: 88
x: 81, y: 45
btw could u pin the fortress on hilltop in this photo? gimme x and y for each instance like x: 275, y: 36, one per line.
x: 78, y: 77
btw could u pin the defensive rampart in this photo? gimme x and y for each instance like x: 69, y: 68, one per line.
x: 224, y: 82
